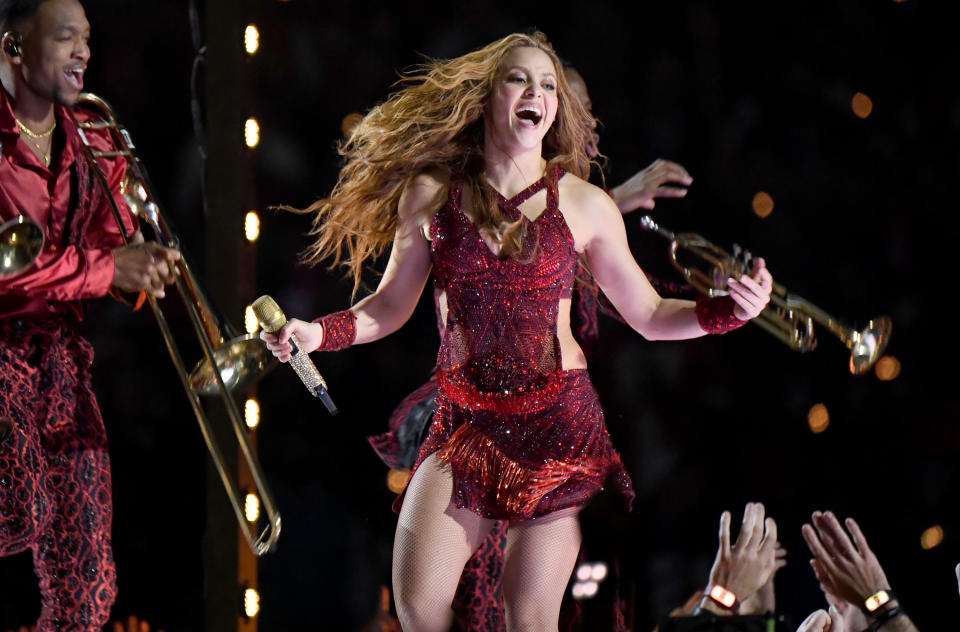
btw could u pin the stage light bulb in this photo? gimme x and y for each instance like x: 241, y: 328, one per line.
x: 590, y: 589
x: 251, y: 602
x: 251, y: 507
x: 251, y: 226
x: 818, y: 418
x: 762, y: 204
x: 584, y: 572
x: 251, y: 132
x: 251, y: 413
x: 598, y: 572
x: 577, y: 591
x: 932, y: 537
x: 251, y: 39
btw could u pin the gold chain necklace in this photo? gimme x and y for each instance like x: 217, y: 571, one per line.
x: 32, y: 134
x: 43, y: 154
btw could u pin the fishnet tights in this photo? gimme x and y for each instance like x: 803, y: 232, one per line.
x: 435, y: 539
x: 541, y: 554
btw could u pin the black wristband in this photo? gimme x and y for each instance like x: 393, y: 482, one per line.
x: 884, y: 618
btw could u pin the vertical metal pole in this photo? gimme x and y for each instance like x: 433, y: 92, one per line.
x: 224, y: 126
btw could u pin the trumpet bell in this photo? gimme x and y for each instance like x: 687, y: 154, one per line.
x: 21, y: 240
x: 242, y: 361
x: 868, y: 344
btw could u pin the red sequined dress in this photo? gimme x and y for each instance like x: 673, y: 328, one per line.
x: 523, y: 436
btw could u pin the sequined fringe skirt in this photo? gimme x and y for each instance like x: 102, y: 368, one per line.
x: 520, y: 456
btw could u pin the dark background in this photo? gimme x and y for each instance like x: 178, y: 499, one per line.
x: 748, y: 96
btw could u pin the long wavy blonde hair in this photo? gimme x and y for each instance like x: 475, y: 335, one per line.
x: 434, y: 121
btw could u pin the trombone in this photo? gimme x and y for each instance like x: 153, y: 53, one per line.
x: 788, y: 317
x: 230, y: 361
x: 21, y: 240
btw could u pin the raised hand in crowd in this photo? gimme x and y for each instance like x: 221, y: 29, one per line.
x: 851, y: 576
x: 764, y: 600
x: 641, y: 190
x: 852, y: 618
x: 741, y: 569
x: 818, y: 621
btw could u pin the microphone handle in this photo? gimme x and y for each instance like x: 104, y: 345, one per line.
x: 308, y: 374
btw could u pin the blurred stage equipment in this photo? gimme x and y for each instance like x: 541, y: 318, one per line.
x: 272, y: 319
x: 21, y: 240
x: 230, y: 361
x: 788, y: 317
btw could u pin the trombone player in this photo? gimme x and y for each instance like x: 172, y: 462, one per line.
x: 55, y: 489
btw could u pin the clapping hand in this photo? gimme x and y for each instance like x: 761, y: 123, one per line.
x: 764, y: 600
x: 744, y: 567
x: 849, y: 573
x: 818, y: 621
x: 845, y: 565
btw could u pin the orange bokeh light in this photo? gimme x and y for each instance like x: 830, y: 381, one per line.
x: 762, y: 204
x: 397, y: 480
x: 932, y: 537
x: 818, y: 418
x: 862, y: 105
x: 887, y: 368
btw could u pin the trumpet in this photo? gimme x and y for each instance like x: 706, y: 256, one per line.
x: 788, y: 317
x: 21, y: 240
x: 230, y: 361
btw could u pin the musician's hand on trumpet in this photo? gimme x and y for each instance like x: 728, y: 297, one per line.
x: 144, y: 266
x: 644, y: 186
x: 751, y: 293
x: 309, y: 336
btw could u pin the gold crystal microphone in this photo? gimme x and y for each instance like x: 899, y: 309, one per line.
x: 272, y: 319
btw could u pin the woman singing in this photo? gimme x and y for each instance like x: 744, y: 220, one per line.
x: 476, y: 170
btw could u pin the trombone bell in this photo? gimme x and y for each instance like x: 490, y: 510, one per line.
x: 241, y: 361
x: 21, y: 240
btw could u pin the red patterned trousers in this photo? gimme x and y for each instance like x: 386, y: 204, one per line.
x: 55, y: 496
